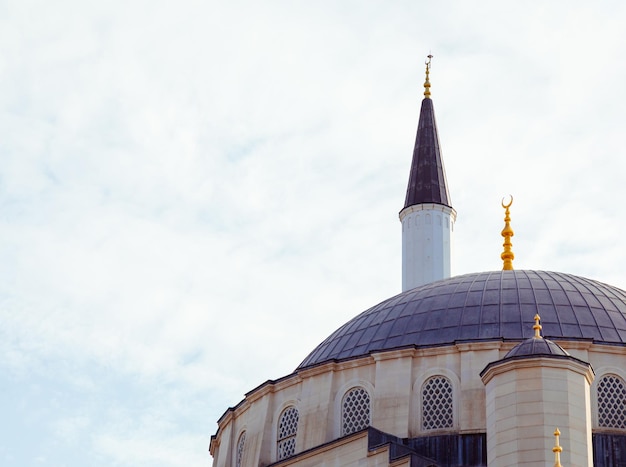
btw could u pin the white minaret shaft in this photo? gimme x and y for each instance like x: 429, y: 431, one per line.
x: 427, y: 231
x: 427, y: 217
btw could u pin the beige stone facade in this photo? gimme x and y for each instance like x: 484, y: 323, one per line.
x: 526, y: 399
x: 518, y: 409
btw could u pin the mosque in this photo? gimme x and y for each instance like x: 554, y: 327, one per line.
x: 499, y: 368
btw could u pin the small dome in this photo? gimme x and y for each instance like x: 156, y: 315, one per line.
x: 479, y: 307
x: 534, y: 347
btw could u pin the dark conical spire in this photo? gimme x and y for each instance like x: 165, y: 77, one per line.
x: 427, y: 181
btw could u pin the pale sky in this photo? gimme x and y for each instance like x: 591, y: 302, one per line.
x: 194, y: 194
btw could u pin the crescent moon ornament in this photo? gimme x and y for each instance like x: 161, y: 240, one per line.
x: 506, y: 206
x: 427, y: 82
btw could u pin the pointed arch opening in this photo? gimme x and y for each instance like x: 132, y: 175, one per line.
x: 437, y: 403
x: 240, y: 449
x: 287, y: 432
x: 611, y: 399
x: 355, y: 410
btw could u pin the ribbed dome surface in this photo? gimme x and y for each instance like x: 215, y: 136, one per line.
x: 481, y: 307
x: 532, y: 346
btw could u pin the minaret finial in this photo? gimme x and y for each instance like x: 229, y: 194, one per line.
x: 427, y: 83
x: 537, y: 327
x: 507, y: 255
x: 557, y: 449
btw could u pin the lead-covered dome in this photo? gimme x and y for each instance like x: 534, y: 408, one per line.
x: 534, y: 346
x: 481, y: 307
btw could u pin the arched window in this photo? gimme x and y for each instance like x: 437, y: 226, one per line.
x: 287, y: 431
x: 240, y: 446
x: 611, y: 402
x: 437, y: 408
x: 355, y: 410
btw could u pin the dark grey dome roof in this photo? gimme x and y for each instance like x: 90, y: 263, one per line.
x: 535, y: 347
x: 481, y: 307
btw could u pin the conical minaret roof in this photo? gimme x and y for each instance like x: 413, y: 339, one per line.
x: 427, y: 180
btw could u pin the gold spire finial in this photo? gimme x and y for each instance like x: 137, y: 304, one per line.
x: 537, y: 327
x: 427, y: 83
x: 557, y: 449
x: 507, y: 255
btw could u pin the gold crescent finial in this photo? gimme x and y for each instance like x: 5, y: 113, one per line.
x: 507, y: 255
x: 557, y: 449
x: 537, y: 327
x: 427, y: 82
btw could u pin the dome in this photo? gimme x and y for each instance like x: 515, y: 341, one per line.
x: 482, y: 307
x: 535, y: 347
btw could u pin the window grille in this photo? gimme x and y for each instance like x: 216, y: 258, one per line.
x: 355, y: 411
x: 612, y: 402
x: 437, y: 406
x: 240, y: 445
x: 287, y: 430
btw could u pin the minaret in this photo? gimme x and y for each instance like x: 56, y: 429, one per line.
x: 427, y: 217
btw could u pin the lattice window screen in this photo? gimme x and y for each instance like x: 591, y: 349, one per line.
x: 612, y: 402
x: 437, y: 406
x: 287, y: 431
x: 355, y: 411
x: 240, y: 445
